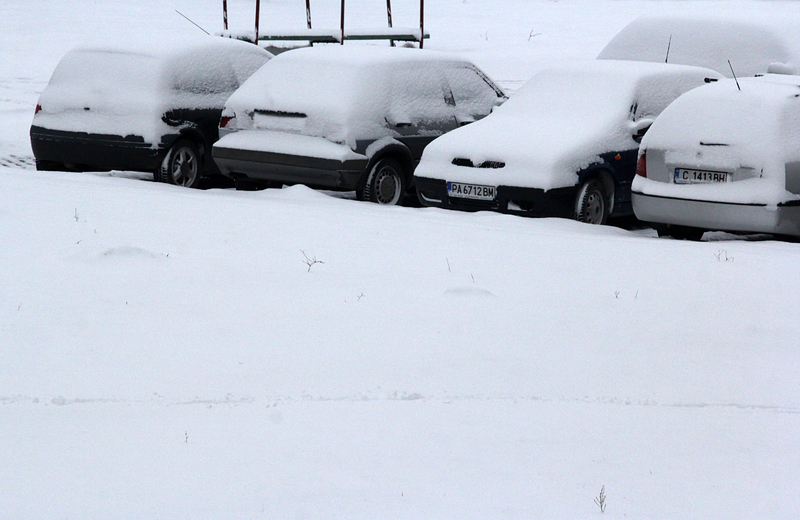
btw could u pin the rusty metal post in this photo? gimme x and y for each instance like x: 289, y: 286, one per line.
x: 389, y: 16
x: 258, y: 14
x: 225, y: 14
x: 421, y: 22
x: 308, y: 13
x: 342, y: 24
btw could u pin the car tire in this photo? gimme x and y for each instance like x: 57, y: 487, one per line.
x: 181, y: 166
x: 385, y: 183
x: 591, y: 203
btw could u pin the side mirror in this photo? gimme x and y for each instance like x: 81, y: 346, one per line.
x: 639, y: 128
x: 398, y: 121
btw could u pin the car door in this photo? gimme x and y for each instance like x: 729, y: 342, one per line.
x: 473, y: 93
x: 421, y: 107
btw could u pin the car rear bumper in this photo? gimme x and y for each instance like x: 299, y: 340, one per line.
x: 95, y: 151
x: 290, y: 169
x: 557, y: 202
x: 718, y: 216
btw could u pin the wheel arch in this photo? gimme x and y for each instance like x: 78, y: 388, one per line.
x: 394, y: 149
x: 603, y: 173
x: 203, y: 145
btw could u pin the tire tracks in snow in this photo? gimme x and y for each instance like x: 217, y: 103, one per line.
x: 274, y: 401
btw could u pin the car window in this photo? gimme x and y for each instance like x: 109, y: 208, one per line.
x: 472, y: 93
x: 654, y: 93
x: 419, y: 93
x: 204, y: 76
x: 245, y: 64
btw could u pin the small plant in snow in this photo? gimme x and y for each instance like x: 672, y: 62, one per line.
x: 722, y: 256
x: 601, y: 500
x: 76, y: 215
x: 310, y: 261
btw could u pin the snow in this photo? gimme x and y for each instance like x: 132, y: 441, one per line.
x: 385, y: 33
x: 288, y: 143
x: 346, y: 93
x: 758, y: 126
x: 167, y: 354
x: 559, y: 123
x: 754, y: 44
x: 124, y: 89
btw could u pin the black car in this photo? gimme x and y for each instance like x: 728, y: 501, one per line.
x: 151, y: 107
x: 565, y: 145
x: 347, y: 118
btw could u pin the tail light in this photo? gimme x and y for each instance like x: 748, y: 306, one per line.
x: 224, y: 120
x: 38, y: 109
x: 641, y: 164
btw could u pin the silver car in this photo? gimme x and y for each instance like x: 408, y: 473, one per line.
x: 725, y: 157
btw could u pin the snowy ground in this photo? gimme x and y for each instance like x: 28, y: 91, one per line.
x: 168, y: 354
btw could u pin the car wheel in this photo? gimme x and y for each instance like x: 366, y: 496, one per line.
x: 591, y: 204
x: 386, y: 183
x: 181, y: 166
x: 686, y: 233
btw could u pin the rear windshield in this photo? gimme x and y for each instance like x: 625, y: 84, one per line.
x: 96, y: 78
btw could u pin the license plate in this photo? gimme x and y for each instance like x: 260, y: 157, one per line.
x: 470, y: 191
x: 685, y: 176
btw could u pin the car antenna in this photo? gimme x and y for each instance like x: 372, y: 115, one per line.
x: 190, y: 21
x: 669, y: 44
x: 734, y: 75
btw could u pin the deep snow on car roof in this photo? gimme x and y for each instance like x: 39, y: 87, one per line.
x: 343, y: 92
x: 166, y: 47
x: 754, y: 45
x: 124, y: 88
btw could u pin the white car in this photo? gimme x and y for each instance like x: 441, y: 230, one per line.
x: 725, y: 156
x: 565, y: 145
x: 347, y: 117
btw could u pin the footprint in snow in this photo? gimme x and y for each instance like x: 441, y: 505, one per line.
x: 469, y: 291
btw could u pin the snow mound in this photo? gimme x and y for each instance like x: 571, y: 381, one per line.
x: 753, y: 45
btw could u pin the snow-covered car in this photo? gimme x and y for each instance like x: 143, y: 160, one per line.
x: 149, y: 106
x: 564, y: 145
x: 752, y: 45
x: 347, y: 118
x: 721, y: 158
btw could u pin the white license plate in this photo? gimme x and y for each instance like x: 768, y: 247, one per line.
x: 470, y: 191
x: 686, y: 176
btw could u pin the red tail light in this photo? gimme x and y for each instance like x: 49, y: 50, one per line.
x: 224, y: 120
x: 38, y: 109
x: 641, y: 164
